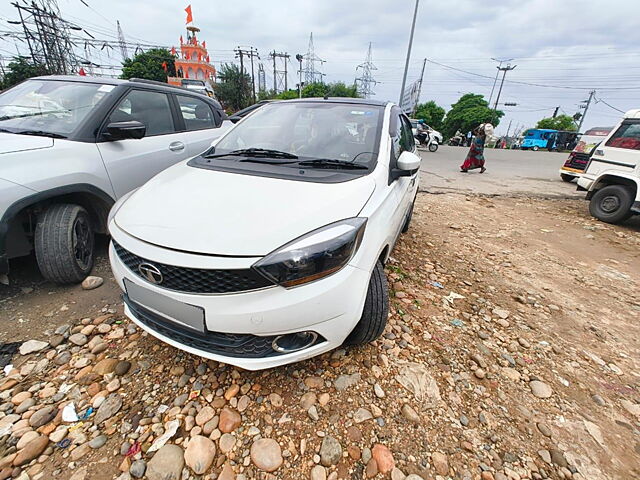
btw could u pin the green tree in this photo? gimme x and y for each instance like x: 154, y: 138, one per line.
x: 233, y: 88
x: 431, y: 113
x: 561, y: 122
x: 149, y: 65
x: 20, y: 69
x: 288, y: 95
x: 339, y: 89
x: 467, y: 113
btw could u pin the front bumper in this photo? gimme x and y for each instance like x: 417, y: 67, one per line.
x: 585, y: 181
x: 330, y: 307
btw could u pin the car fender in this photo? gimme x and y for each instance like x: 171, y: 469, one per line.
x: 615, y: 177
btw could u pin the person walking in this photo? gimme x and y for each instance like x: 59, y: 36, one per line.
x: 475, y: 157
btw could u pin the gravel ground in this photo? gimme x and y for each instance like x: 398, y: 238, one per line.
x: 511, y: 353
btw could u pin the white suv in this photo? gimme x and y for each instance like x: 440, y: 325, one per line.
x: 269, y: 248
x: 71, y: 146
x: 612, y: 176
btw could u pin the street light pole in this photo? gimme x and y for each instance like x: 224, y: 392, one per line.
x: 406, y: 64
x: 586, y: 108
x: 495, y: 80
x: 504, y: 71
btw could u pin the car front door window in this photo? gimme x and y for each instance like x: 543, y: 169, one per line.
x: 149, y: 108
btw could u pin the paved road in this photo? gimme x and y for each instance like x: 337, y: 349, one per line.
x: 510, y: 172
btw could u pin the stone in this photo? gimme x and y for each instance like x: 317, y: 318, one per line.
x: 330, y: 451
x: 166, y: 464
x: 371, y: 469
x: 32, y: 346
x: 410, y: 414
x: 98, y: 442
x: 204, y: 415
x: 79, y: 474
x: 79, y: 339
x: 362, y: 415
x: 540, y: 389
x: 314, y: 382
x: 544, y: 429
x: 227, y: 472
x: 231, y: 392
x: 137, y: 468
x: 511, y: 373
x: 199, y: 454
x: 111, y: 405
x: 105, y: 366
x: 378, y: 391
x: 558, y: 458
x: 43, y: 416
x: 32, y: 450
x: 413, y: 476
x: 345, y: 381
x: 226, y: 443
x: 440, y: 463
x: 383, y: 457
x: 308, y: 400
x: 122, y: 368
x: 26, y: 438
x: 92, y: 282
x: 229, y: 420
x: 266, y: 454
x: 318, y: 473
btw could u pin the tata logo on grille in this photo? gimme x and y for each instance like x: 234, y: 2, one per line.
x: 150, y: 272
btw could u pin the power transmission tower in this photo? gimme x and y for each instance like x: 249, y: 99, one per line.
x: 586, y: 108
x: 365, y: 82
x: 495, y: 80
x: 262, y: 80
x: 504, y: 71
x: 47, y: 36
x: 122, y: 42
x: 280, y: 77
x: 311, y: 73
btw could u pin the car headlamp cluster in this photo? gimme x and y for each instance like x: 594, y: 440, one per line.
x: 315, y: 255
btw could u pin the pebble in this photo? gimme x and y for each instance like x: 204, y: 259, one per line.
x: 79, y: 339
x: 32, y: 450
x: 226, y: 443
x: 383, y: 458
x: 362, y: 415
x: 544, y: 429
x: 330, y: 451
x: 166, y: 464
x: 111, y: 405
x: 410, y: 414
x: 92, y: 282
x: 266, y: 454
x: 199, y: 454
x: 440, y: 462
x: 540, y: 389
x: 378, y: 391
x: 137, y: 469
x: 345, y: 381
x: 229, y: 420
x: 32, y: 346
x: 318, y: 473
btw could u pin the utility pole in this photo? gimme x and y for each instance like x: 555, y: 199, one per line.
x: 406, y: 63
x: 280, y: 77
x: 504, y: 71
x: 555, y: 112
x: 424, y: 64
x: 251, y: 53
x: 366, y: 81
x: 121, y: 41
x: 586, y: 108
x: 495, y: 80
x: 299, y: 58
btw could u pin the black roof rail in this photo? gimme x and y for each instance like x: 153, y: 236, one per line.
x: 154, y: 82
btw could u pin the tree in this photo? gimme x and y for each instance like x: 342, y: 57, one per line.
x: 467, y: 113
x: 339, y: 89
x: 149, y: 65
x: 20, y: 69
x: 431, y: 113
x: 233, y: 88
x: 561, y: 122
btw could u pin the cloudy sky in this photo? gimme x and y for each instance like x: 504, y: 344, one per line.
x: 561, y: 49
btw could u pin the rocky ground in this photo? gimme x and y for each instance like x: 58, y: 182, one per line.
x: 512, y: 352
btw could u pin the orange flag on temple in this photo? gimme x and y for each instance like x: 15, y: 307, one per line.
x: 204, y: 44
x: 189, y: 14
x: 173, y: 51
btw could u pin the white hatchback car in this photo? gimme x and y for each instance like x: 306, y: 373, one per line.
x: 269, y: 248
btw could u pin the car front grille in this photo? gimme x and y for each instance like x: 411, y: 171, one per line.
x: 196, y: 280
x: 226, y: 344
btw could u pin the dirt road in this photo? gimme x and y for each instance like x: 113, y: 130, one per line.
x: 533, y: 373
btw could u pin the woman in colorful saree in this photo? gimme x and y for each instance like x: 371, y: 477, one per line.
x: 475, y: 157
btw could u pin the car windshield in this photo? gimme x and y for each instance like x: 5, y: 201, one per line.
x: 54, y: 107
x: 310, y: 130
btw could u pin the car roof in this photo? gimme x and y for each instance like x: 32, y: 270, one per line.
x: 345, y: 100
x: 134, y: 81
x: 635, y: 113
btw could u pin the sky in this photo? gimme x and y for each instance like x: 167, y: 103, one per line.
x: 561, y: 49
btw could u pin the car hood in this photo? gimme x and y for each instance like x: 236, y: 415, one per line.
x: 220, y: 213
x: 11, y: 142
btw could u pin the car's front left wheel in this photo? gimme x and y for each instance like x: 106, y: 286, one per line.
x: 64, y: 243
x: 376, y: 309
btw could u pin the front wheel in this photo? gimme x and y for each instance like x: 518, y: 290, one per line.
x: 612, y: 204
x: 375, y: 312
x: 64, y: 243
x: 433, y: 146
x: 535, y: 149
x: 567, y: 178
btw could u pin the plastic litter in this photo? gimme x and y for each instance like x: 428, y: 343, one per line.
x: 7, y: 369
x: 69, y: 413
x: 194, y: 394
x: 64, y: 443
x: 451, y: 297
x: 86, y: 414
x: 437, y: 284
x: 456, y: 322
x: 133, y: 449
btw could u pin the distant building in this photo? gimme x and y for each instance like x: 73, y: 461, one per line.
x: 192, y: 60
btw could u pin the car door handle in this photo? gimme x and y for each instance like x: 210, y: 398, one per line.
x: 176, y: 146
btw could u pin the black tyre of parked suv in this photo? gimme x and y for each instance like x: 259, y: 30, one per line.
x: 612, y: 204
x: 64, y: 242
x: 376, y: 310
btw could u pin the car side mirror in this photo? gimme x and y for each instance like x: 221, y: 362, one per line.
x: 407, y: 164
x: 124, y: 130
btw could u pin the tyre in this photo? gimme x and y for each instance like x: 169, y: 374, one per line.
x: 433, y: 146
x: 64, y: 243
x: 407, y: 222
x: 376, y: 309
x: 567, y: 178
x: 535, y: 149
x: 612, y: 204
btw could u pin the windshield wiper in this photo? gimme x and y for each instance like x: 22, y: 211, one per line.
x: 332, y: 163
x: 40, y: 133
x: 255, y: 152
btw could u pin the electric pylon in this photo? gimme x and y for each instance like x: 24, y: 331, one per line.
x: 311, y: 73
x: 365, y: 82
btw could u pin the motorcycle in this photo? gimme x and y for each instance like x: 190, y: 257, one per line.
x: 424, y: 140
x: 457, y: 141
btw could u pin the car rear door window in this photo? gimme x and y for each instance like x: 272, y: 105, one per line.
x: 147, y: 107
x: 197, y: 113
x: 627, y: 136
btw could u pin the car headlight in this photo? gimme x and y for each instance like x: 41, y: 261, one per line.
x: 118, y: 204
x: 315, y: 255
